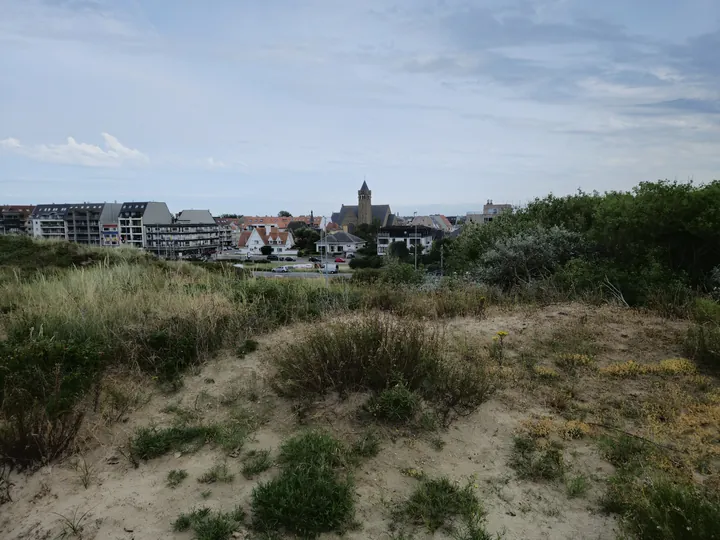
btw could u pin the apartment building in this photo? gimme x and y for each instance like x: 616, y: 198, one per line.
x: 490, y: 211
x: 229, y: 230
x: 192, y: 233
x: 80, y: 223
x: 409, y: 235
x: 133, y: 217
x: 16, y: 219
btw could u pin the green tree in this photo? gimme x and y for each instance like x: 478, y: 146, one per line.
x: 266, y: 250
x: 284, y: 213
x: 399, y: 250
x: 305, y: 238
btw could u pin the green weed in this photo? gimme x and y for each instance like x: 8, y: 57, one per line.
x: 535, y: 461
x: 397, y: 404
x: 176, y: 477
x: 217, y: 473
x: 310, y: 495
x: 435, y: 502
x: 255, y: 462
x: 208, y: 525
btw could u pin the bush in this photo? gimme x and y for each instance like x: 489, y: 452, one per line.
x: 366, y: 261
x: 702, y: 344
x: 209, y: 525
x: 369, y: 353
x: 365, y: 276
x: 399, y: 273
x: 534, y: 460
x: 436, y: 501
x: 658, y: 508
x: 310, y: 496
x: 529, y: 255
x: 706, y: 310
x: 397, y: 404
x: 42, y: 382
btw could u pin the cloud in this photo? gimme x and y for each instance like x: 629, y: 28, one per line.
x: 72, y: 152
x: 212, y: 163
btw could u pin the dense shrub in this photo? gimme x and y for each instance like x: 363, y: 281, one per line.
x: 658, y: 508
x: 528, y: 255
x: 366, y: 261
x: 651, y: 246
x: 42, y: 382
x: 366, y: 276
x: 702, y: 344
x: 397, y: 404
x: 375, y: 353
x: 364, y: 354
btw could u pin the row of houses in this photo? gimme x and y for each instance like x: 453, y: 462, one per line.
x: 150, y: 225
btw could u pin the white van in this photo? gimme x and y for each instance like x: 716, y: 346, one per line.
x: 329, y: 268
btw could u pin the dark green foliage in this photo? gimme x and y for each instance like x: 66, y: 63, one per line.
x: 149, y: 443
x: 366, y: 446
x: 312, y: 448
x: 399, y: 250
x: 366, y: 261
x: 41, y: 384
x: 209, y: 525
x: 311, y: 495
x: 702, y: 344
x: 534, y: 461
x: 248, y: 346
x: 625, y: 452
x: 397, y: 404
x: 659, y: 508
x: 661, y: 236
x: 255, y: 462
x: 305, y: 238
x: 266, y: 250
x: 435, y: 502
x: 398, y: 273
x: 706, y: 310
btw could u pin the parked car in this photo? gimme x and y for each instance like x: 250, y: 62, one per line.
x: 329, y: 268
x: 314, y: 259
x: 281, y: 269
x: 289, y: 259
x: 339, y: 260
x: 273, y: 258
x: 350, y: 256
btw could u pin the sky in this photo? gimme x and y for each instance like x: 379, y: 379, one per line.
x: 257, y: 106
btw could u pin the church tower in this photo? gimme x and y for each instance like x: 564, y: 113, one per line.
x: 364, y: 205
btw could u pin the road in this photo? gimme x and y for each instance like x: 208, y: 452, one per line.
x: 301, y: 275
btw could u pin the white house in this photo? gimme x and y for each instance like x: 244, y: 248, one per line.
x: 281, y: 243
x: 339, y: 242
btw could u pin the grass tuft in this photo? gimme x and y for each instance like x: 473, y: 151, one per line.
x: 534, y: 460
x: 256, y: 462
x: 217, y: 473
x: 311, y: 495
x: 576, y: 486
x: 436, y: 502
x: 396, y: 405
x: 176, y: 477
x: 209, y: 525
x: 149, y: 443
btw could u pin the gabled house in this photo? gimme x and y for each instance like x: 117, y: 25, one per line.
x: 252, y: 241
x: 340, y: 243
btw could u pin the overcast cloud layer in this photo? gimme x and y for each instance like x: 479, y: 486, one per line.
x: 262, y: 105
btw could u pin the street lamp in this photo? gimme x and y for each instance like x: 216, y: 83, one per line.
x: 416, y: 238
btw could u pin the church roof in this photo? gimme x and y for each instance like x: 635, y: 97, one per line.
x: 379, y: 211
x: 364, y: 186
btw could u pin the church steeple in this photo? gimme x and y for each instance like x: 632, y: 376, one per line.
x: 364, y: 205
